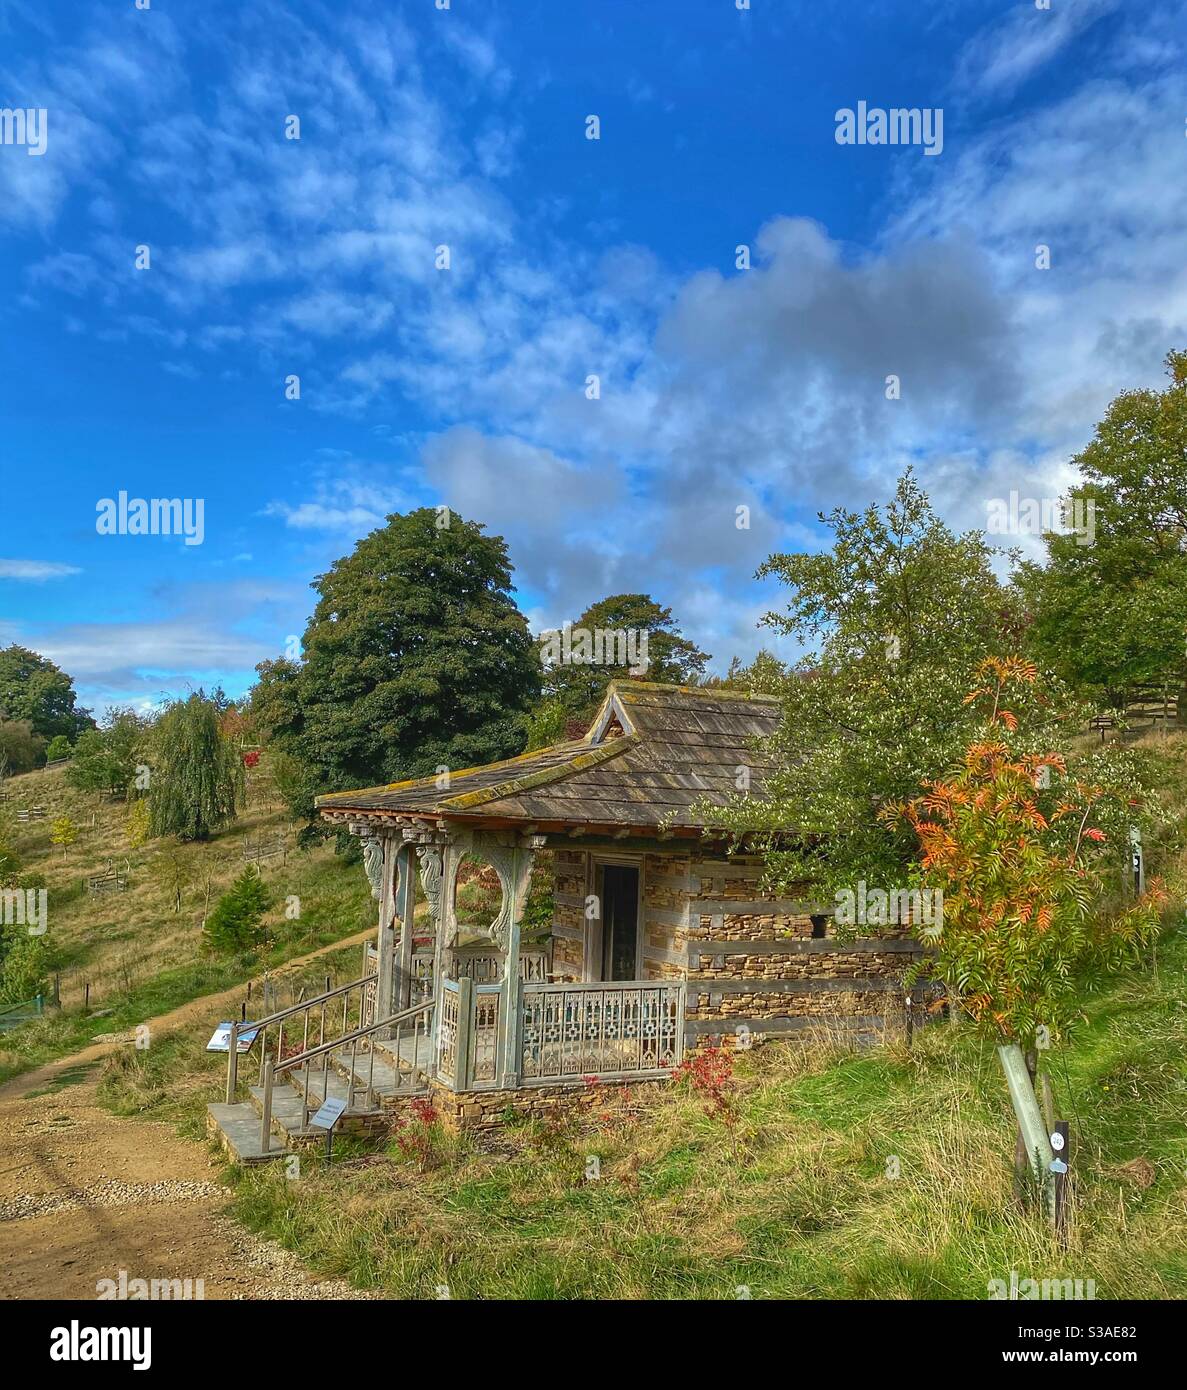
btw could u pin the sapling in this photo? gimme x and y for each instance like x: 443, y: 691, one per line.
x: 1022, y: 860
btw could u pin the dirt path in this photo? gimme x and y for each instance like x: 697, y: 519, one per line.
x: 85, y: 1194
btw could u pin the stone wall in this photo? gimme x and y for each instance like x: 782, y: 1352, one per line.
x: 785, y: 967
x: 755, y: 958
x: 568, y: 919
x: 488, y: 1109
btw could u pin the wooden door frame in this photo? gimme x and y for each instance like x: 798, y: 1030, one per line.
x: 594, y: 945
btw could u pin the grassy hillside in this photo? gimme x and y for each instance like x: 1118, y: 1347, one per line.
x: 884, y: 1174
x: 138, y: 953
x: 797, y: 1203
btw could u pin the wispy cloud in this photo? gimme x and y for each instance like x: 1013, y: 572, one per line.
x: 36, y: 571
x: 1005, y: 54
x: 341, y: 501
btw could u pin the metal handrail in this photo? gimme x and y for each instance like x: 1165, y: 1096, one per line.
x: 273, y: 1070
x: 261, y: 1026
x: 23, y: 1004
x: 297, y: 1008
x: 300, y: 1057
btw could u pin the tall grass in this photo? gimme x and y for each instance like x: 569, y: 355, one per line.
x: 811, y: 1205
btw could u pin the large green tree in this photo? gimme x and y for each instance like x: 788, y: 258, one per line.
x: 33, y: 688
x: 574, y: 686
x: 898, y: 615
x: 415, y: 658
x: 105, y: 759
x: 1110, y: 605
x: 21, y: 750
x: 196, y: 776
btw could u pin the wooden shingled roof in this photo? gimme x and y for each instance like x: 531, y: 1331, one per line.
x: 652, y: 752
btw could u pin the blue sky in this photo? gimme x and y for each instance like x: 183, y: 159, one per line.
x: 569, y: 257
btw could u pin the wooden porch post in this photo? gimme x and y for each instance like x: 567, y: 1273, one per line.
x: 465, y: 1020
x: 509, y: 999
x: 446, y: 934
x: 520, y: 859
x: 384, y: 992
x: 405, y: 862
x: 437, y: 858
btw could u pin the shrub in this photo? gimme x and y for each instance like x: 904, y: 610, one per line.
x: 137, y: 827
x: 236, y: 924
x: 59, y: 747
x: 63, y: 832
x: 21, y: 750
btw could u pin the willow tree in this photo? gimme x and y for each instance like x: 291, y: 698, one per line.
x: 195, y: 782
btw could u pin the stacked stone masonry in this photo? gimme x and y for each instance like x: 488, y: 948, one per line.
x: 699, y: 898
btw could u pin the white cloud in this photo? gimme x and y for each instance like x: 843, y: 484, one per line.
x: 1003, y: 55
x: 343, y: 501
x: 35, y: 571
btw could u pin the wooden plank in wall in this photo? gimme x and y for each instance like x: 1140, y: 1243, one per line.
x: 678, y: 883
x: 856, y: 985
x: 665, y: 917
x: 696, y: 1028
x: 800, y: 946
x: 792, y: 907
x: 661, y: 953
x: 727, y: 868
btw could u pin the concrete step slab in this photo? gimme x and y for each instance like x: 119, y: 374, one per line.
x: 286, y: 1113
x: 237, y: 1128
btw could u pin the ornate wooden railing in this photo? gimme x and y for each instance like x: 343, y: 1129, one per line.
x: 420, y: 990
x: 619, y: 1030
x: 485, y: 966
x: 468, y: 1035
x: 450, y: 1030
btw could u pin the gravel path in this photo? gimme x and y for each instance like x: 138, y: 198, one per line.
x: 85, y: 1194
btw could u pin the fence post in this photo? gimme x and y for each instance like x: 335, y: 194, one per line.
x: 233, y: 1064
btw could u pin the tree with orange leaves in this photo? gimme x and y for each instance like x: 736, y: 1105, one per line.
x: 1017, y: 849
x: 1023, y: 855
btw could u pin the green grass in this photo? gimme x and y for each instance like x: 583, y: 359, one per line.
x: 59, y: 1033
x: 140, y: 956
x: 803, y: 1207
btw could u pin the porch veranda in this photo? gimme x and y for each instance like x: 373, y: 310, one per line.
x: 500, y: 1028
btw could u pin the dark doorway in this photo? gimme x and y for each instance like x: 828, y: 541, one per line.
x: 620, y: 921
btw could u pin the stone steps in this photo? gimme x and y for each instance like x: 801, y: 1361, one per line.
x: 237, y: 1127
x: 286, y: 1113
